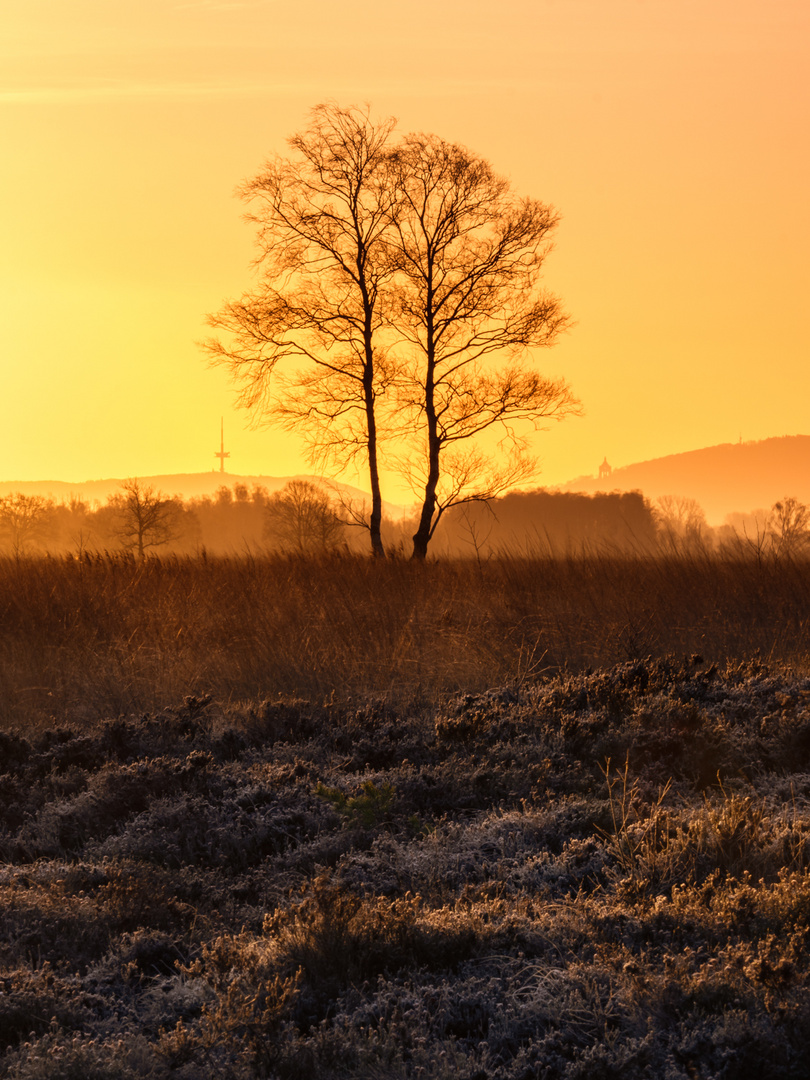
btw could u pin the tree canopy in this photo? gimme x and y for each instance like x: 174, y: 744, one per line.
x: 398, y: 306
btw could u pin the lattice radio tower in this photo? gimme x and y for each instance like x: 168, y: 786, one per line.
x: 222, y: 453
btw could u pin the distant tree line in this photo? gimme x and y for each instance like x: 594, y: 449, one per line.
x: 305, y: 518
x: 548, y: 522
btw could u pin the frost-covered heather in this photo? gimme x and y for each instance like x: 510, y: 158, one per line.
x: 586, y: 875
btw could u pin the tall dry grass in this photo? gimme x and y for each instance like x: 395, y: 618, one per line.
x: 105, y: 635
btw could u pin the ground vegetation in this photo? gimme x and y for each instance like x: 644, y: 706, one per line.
x: 290, y: 817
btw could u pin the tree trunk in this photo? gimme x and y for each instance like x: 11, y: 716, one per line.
x: 421, y: 538
x: 375, y: 521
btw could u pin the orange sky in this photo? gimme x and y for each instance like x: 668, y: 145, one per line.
x: 672, y: 135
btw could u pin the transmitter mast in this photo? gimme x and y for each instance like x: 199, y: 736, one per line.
x: 222, y: 453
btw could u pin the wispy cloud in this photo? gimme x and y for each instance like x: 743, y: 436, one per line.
x: 222, y: 5
x: 136, y: 89
x: 128, y: 90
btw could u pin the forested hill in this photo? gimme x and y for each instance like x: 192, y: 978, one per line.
x: 731, y: 477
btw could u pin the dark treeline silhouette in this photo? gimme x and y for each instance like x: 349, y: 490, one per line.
x: 232, y: 520
x: 550, y: 522
x: 306, y: 518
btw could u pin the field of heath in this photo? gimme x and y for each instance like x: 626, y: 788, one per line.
x: 338, y: 819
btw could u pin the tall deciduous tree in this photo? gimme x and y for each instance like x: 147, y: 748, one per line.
x: 469, y: 303
x: 322, y: 216
x: 410, y: 268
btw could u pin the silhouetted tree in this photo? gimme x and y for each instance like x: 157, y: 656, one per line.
x: 301, y: 518
x: 681, y: 522
x: 469, y: 255
x: 144, y: 518
x: 789, y: 526
x: 25, y: 520
x: 322, y: 218
x: 410, y: 267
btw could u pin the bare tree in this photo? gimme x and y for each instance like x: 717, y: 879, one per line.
x: 399, y: 294
x: 301, y: 518
x: 322, y: 218
x: 25, y: 520
x: 681, y: 522
x: 470, y: 307
x: 144, y: 518
x: 789, y: 526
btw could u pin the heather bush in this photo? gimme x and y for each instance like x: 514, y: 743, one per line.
x: 58, y: 1056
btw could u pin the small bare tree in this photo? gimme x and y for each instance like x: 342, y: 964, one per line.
x: 143, y: 517
x: 301, y: 518
x: 25, y: 520
x: 789, y: 527
x: 681, y: 522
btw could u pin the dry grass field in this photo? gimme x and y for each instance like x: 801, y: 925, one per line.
x: 83, y: 640
x: 515, y: 819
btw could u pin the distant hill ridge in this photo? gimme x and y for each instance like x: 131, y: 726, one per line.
x: 187, y: 485
x: 726, y: 478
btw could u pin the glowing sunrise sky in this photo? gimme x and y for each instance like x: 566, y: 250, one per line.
x: 672, y: 135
